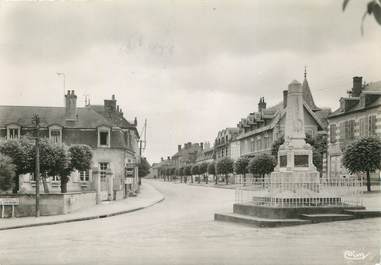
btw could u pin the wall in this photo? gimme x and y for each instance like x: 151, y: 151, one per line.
x: 51, y: 204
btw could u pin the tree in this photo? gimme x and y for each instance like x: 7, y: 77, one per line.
x: 195, y: 171
x: 187, y: 171
x: 262, y: 164
x: 225, y: 166
x: 212, y: 170
x: 7, y: 172
x: 20, y: 151
x: 275, y: 146
x: 240, y: 167
x: 203, y: 168
x: 181, y: 173
x: 373, y: 7
x: 143, y: 169
x: 363, y: 155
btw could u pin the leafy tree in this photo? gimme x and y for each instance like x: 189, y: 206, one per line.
x: 7, y: 172
x: 262, y: 164
x: 20, y: 151
x: 196, y: 171
x: 212, y: 170
x: 363, y: 155
x: 181, y: 173
x: 240, y: 167
x: 373, y: 7
x: 203, y: 168
x: 225, y: 166
x: 143, y: 169
x: 275, y: 146
x: 188, y: 171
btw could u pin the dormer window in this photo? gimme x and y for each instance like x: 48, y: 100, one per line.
x: 103, y: 137
x: 13, y: 132
x: 55, y: 134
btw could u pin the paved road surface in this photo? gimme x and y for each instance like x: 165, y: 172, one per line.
x: 181, y: 230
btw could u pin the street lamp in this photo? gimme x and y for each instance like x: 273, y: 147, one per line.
x: 36, y: 122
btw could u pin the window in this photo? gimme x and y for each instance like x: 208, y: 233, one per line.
x: 332, y: 133
x: 102, y: 170
x: 363, y: 124
x: 372, y: 125
x: 104, y: 137
x: 350, y: 130
x: 84, y: 175
x: 13, y: 132
x: 55, y: 136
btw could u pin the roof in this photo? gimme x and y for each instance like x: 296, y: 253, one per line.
x: 370, y: 97
x: 307, y: 96
x: 116, y: 118
x: 22, y: 115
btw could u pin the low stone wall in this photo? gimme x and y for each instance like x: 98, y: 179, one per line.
x: 50, y: 204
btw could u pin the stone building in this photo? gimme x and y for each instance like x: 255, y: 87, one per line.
x: 223, y: 142
x: 206, y: 154
x: 359, y: 115
x: 260, y: 129
x: 114, y: 142
x: 186, y: 155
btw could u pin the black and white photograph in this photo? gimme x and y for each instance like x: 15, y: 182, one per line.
x: 190, y: 132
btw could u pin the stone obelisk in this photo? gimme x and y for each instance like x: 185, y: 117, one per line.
x: 295, y: 155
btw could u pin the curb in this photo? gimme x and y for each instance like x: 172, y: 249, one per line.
x: 79, y: 219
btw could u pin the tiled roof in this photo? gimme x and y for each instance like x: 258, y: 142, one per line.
x: 370, y: 97
x: 22, y: 115
x: 116, y: 118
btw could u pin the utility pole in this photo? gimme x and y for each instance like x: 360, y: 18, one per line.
x: 36, y: 121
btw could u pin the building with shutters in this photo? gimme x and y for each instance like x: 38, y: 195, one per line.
x: 224, y: 141
x: 359, y: 115
x: 259, y: 130
x: 113, y: 140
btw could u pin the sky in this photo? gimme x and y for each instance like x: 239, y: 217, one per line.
x: 191, y: 68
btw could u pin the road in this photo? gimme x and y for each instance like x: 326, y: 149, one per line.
x: 181, y: 230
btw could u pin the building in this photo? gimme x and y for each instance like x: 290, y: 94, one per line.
x: 186, y: 155
x: 206, y: 154
x: 114, y: 142
x: 260, y: 129
x: 223, y: 142
x: 359, y: 115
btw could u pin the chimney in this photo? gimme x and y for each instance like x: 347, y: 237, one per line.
x: 285, y: 93
x: 168, y: 158
x: 162, y: 159
x: 110, y: 105
x: 357, y: 86
x: 70, y: 106
x: 261, y: 104
x: 202, y: 146
x: 179, y: 147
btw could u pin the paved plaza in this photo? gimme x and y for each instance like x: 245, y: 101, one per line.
x: 181, y: 230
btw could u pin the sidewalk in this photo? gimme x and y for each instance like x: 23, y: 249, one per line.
x: 147, y: 197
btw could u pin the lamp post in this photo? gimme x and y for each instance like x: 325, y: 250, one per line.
x: 36, y: 121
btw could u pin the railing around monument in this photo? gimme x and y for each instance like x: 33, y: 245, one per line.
x: 329, y: 192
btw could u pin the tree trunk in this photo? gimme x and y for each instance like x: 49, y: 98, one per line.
x: 45, y: 185
x: 226, y: 179
x: 244, y: 179
x: 16, y: 187
x: 191, y: 178
x: 64, y: 181
x: 207, y: 178
x: 216, y: 179
x: 368, y: 181
x: 199, y: 179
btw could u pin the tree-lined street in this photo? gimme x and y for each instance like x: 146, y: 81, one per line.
x: 181, y: 230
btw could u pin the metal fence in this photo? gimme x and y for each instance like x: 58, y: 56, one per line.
x: 328, y: 192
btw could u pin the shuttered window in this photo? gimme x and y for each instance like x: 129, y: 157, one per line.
x: 332, y: 133
x: 372, y: 125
